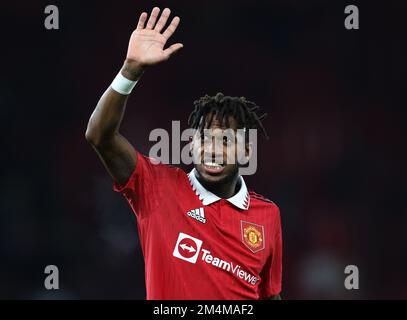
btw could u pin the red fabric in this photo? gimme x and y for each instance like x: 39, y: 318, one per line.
x: 222, y: 264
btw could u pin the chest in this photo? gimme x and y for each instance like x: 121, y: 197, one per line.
x: 217, y: 233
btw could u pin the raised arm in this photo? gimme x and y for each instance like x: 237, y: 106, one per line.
x: 146, y: 48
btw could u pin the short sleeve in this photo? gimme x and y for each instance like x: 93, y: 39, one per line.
x: 272, y: 273
x: 140, y: 190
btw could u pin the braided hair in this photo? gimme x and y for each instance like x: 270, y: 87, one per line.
x: 221, y: 107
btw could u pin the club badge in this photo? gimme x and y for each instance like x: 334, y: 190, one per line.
x: 252, y: 236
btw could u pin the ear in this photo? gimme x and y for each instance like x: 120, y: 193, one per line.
x: 191, y: 142
x: 248, y: 150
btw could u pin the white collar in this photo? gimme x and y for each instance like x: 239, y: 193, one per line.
x: 240, y: 199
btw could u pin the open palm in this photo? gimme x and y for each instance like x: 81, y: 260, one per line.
x: 147, y: 43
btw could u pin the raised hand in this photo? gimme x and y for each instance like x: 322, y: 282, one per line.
x: 146, y: 45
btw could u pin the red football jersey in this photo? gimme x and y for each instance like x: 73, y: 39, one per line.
x: 199, y: 246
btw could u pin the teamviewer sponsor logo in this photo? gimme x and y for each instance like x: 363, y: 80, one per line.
x: 228, y: 266
x: 187, y: 248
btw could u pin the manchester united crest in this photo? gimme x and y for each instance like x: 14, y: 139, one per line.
x: 252, y: 235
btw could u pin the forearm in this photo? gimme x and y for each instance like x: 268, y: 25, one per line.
x: 105, y: 120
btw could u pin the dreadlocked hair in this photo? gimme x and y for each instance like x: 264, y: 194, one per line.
x: 221, y: 107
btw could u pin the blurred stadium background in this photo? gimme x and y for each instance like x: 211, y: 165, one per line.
x: 335, y: 162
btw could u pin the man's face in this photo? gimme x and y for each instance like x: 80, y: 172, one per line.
x: 216, y: 151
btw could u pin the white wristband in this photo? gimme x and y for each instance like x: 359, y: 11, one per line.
x: 123, y: 85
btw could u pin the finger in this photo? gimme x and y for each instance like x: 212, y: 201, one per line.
x: 142, y: 21
x: 171, y: 28
x: 173, y: 49
x: 163, y: 20
x: 153, y: 18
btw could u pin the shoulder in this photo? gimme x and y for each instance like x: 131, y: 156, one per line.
x: 162, y: 170
x: 259, y: 200
x: 269, y: 209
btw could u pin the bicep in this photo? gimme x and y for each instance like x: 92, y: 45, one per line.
x: 118, y: 156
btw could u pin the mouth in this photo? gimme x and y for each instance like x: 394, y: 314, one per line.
x: 213, y: 168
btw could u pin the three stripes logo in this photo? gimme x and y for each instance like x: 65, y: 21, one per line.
x: 198, y: 214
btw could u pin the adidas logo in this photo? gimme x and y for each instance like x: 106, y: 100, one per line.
x: 197, y: 214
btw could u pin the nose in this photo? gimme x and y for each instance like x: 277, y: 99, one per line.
x: 213, y: 151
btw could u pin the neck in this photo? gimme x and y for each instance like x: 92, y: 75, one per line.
x: 224, y: 189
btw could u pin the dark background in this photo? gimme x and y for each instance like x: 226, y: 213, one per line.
x: 334, y: 164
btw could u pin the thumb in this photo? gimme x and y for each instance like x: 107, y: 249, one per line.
x: 173, y: 49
